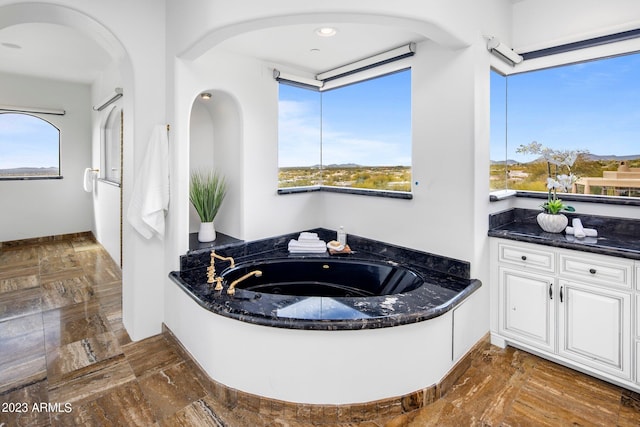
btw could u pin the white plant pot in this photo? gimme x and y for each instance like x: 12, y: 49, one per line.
x: 207, y: 232
x: 552, y: 223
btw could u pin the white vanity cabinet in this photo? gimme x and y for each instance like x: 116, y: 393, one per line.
x: 570, y: 306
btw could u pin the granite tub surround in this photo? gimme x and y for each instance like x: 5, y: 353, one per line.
x: 446, y: 284
x: 320, y: 348
x: 616, y: 236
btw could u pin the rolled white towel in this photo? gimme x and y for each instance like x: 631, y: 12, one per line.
x: 578, y: 229
x: 589, y: 232
x: 572, y: 238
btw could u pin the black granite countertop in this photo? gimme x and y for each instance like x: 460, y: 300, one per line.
x: 616, y: 236
x: 446, y: 285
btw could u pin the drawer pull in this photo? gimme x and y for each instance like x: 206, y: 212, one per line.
x: 592, y: 270
x: 550, y: 290
x: 524, y: 257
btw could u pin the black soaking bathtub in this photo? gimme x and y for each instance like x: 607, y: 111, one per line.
x: 324, y: 277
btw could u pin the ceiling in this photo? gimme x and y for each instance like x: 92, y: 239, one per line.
x: 63, y: 53
x: 299, y: 47
x: 51, y: 51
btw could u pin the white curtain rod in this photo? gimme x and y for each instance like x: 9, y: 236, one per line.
x: 318, y: 82
x: 113, y: 98
x: 36, y: 110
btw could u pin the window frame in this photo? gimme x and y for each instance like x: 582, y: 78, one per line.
x: 59, y: 149
x: 554, y: 60
x: 366, y: 75
x: 106, y: 137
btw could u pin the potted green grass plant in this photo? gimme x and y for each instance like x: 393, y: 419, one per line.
x: 206, y: 193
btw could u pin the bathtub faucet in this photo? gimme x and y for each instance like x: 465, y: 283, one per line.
x: 232, y: 286
x: 211, y: 270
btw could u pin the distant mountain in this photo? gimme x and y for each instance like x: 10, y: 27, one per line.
x: 29, y: 171
x: 342, y: 166
x: 612, y: 157
x: 339, y: 166
x: 589, y: 156
x: 508, y: 162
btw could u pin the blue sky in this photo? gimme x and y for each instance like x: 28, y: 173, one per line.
x: 27, y: 141
x: 367, y: 123
x: 592, y: 106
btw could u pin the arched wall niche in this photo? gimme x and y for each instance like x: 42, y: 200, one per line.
x: 215, y: 142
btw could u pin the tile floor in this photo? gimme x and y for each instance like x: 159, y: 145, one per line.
x: 66, y: 360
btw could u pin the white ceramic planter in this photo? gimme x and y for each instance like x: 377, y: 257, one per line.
x: 207, y: 232
x: 552, y: 223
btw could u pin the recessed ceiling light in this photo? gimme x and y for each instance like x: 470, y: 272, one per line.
x: 11, y: 45
x: 326, y: 32
x: 314, y: 50
x: 205, y: 95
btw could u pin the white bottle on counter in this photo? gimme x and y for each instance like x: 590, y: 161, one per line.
x: 342, y: 236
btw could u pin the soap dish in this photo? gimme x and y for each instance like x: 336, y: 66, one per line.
x: 335, y: 245
x: 345, y: 250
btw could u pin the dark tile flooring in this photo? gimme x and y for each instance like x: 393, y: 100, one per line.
x: 66, y: 360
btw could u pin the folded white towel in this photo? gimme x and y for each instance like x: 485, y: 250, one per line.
x: 317, y: 246
x: 307, y: 251
x: 307, y: 243
x: 578, y: 229
x: 589, y: 232
x: 308, y: 236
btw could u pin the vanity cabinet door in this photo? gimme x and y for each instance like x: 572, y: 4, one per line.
x: 526, y: 307
x: 593, y: 327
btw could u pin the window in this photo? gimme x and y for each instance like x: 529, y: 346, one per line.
x: 590, y: 108
x: 111, y: 148
x: 354, y: 136
x: 29, y: 147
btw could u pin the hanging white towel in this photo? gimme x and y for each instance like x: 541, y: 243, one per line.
x: 87, y: 182
x: 150, y: 198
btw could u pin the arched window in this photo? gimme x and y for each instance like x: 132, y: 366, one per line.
x: 29, y: 147
x: 112, y: 146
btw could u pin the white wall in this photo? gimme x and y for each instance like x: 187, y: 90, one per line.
x: 538, y: 24
x: 37, y: 208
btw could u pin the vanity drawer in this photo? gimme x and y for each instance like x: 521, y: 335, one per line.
x: 603, y: 270
x: 525, y: 256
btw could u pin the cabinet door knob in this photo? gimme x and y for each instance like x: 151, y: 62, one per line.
x: 524, y: 257
x: 592, y: 270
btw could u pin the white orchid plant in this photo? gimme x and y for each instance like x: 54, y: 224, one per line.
x: 562, y: 182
